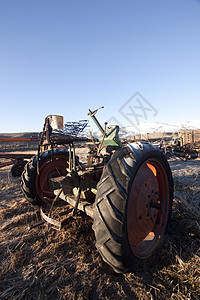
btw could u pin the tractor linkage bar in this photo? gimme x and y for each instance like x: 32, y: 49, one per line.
x: 84, y: 206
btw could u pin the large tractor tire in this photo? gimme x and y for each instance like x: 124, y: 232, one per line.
x: 35, y: 187
x: 133, y: 206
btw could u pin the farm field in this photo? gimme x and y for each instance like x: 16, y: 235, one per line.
x: 43, y: 263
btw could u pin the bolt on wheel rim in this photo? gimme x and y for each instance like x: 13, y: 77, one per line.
x: 148, y: 208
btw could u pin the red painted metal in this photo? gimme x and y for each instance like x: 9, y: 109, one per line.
x: 13, y: 158
x: 6, y: 163
x: 15, y: 155
x: 53, y: 167
x: 148, y: 208
x: 12, y: 140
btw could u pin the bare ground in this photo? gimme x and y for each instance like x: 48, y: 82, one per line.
x: 43, y: 263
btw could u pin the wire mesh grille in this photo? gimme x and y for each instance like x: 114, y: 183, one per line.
x: 74, y: 129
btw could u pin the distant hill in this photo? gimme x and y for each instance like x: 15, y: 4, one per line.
x: 155, y: 127
x: 129, y: 131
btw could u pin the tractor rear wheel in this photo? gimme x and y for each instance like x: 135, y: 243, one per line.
x: 133, y: 206
x: 35, y: 187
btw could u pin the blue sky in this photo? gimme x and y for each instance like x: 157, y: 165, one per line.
x: 64, y: 57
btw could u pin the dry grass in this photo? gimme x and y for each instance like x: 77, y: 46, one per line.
x: 47, y: 264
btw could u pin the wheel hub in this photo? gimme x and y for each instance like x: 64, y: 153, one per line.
x: 147, y: 208
x: 53, y: 167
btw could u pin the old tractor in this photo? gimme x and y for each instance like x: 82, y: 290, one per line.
x: 127, y: 189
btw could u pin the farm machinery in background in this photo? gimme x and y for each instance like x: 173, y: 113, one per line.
x: 127, y: 189
x: 17, y: 159
x: 185, y: 146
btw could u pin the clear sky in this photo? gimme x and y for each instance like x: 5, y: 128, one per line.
x: 64, y: 57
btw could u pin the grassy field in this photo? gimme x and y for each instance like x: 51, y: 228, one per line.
x: 43, y: 263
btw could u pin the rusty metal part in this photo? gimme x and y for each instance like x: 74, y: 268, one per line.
x: 75, y: 202
x: 93, y: 140
x: 77, y: 198
x: 73, y: 128
x: 72, y: 132
x: 57, y: 224
x: 6, y: 163
x: 46, y: 219
x: 15, y: 155
x: 14, y: 158
x: 188, y: 151
x: 148, y: 208
x: 54, y: 200
x: 62, y: 140
x: 51, y: 168
x: 14, y: 140
x: 84, y: 206
x: 87, y: 182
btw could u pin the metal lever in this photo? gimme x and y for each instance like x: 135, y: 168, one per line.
x: 77, y: 199
x: 92, y: 113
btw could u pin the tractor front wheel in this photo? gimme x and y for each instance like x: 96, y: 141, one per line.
x: 133, y: 205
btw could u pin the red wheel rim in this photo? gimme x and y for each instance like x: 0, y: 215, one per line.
x: 53, y: 167
x: 148, y: 208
